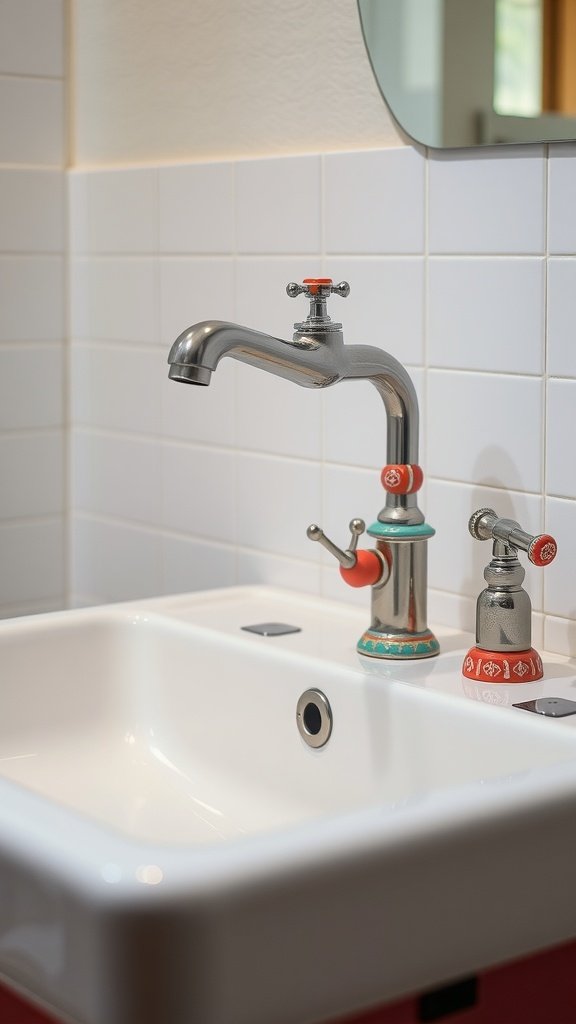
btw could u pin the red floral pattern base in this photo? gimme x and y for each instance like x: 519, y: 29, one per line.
x: 496, y: 667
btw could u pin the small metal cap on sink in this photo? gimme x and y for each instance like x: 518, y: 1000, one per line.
x: 314, y: 718
x: 272, y: 629
x: 552, y: 707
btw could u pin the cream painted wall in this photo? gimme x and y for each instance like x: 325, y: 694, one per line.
x: 172, y: 80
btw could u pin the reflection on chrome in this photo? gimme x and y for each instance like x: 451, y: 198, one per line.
x: 149, y: 874
x: 111, y: 873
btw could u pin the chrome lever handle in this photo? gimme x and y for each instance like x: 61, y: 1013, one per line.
x: 346, y: 558
x: 318, y: 287
x: 485, y: 524
x: 318, y: 290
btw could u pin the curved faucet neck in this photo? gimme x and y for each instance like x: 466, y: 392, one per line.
x: 316, y: 359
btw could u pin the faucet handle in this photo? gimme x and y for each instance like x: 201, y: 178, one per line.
x: 318, y: 287
x: 357, y: 568
x: 484, y: 524
x: 318, y: 290
x: 346, y: 558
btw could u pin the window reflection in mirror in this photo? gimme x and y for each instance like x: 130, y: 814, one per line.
x: 475, y: 72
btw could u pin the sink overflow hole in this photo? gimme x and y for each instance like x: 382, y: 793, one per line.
x: 314, y: 718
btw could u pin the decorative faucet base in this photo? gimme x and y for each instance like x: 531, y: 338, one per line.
x: 498, y: 667
x: 384, y: 645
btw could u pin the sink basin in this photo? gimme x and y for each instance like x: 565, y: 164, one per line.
x: 176, y: 853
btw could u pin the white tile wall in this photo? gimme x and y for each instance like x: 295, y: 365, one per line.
x: 487, y: 314
x: 197, y: 209
x: 32, y: 306
x: 32, y: 37
x: 277, y: 205
x: 481, y: 202
x: 450, y: 270
x: 562, y: 200
x: 374, y: 202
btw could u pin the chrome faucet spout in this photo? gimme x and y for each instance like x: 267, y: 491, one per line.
x: 315, y: 358
x: 307, y: 361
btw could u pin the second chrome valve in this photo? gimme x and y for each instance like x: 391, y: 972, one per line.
x: 503, y: 652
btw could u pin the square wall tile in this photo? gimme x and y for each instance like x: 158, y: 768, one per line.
x: 32, y: 37
x: 188, y: 564
x: 198, y: 487
x: 385, y: 306
x: 31, y: 298
x: 115, y: 299
x: 562, y: 199
x: 348, y: 494
x: 275, y: 415
x: 374, y: 202
x: 486, y: 314
x: 561, y: 317
x: 114, y: 561
x: 192, y: 290
x: 32, y: 559
x: 32, y: 474
x: 485, y: 429
x: 454, y: 610
x: 31, y: 211
x: 32, y: 119
x: 278, y: 205
x: 487, y: 201
x: 355, y: 429
x: 277, y: 499
x: 101, y: 466
x: 276, y: 571
x: 456, y: 560
x: 31, y: 386
x: 203, y: 415
x: 559, y: 592
x: 560, y: 433
x: 560, y: 635
x: 197, y: 209
x: 116, y: 388
x: 114, y: 211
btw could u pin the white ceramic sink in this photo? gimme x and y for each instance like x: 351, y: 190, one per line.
x: 175, y: 853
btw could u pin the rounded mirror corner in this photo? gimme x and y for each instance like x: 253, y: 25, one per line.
x: 473, y: 73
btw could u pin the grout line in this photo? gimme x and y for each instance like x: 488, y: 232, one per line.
x: 142, y: 526
x: 502, y: 488
x: 544, y: 443
x: 55, y: 519
x: 67, y: 382
x: 26, y: 76
x: 236, y: 383
x: 545, y: 335
x: 425, y: 418
x: 52, y: 430
x: 323, y: 401
x: 7, y: 165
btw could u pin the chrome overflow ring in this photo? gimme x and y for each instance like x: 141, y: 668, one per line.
x: 314, y: 718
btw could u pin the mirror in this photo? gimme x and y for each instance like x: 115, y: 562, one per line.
x: 475, y: 72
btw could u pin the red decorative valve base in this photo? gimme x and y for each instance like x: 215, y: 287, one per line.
x: 499, y: 667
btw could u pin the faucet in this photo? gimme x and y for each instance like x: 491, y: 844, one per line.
x: 503, y: 652
x: 316, y: 357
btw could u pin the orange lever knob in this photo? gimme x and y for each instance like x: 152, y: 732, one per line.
x: 542, y: 550
x: 402, y: 479
x: 367, y: 571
